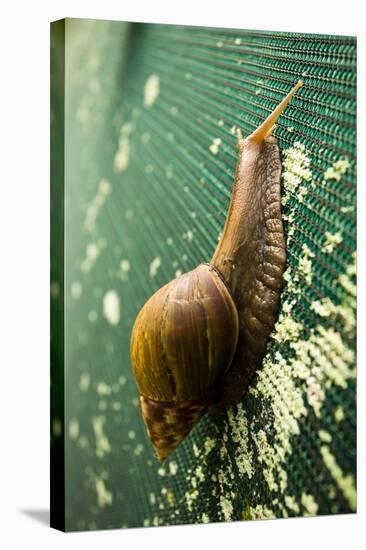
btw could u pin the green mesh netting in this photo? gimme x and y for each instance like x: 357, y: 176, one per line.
x: 150, y: 150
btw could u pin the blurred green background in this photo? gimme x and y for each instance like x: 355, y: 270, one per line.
x: 150, y: 114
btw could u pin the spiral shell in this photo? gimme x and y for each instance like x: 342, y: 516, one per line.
x: 182, y: 344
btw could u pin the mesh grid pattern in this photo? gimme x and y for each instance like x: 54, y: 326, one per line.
x: 151, y: 113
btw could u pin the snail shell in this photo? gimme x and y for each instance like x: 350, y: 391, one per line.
x: 179, y: 354
x: 199, y: 340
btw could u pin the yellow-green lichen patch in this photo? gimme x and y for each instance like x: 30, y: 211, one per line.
x: 154, y: 266
x: 76, y: 290
x: 339, y: 414
x: 197, y: 478
x: 291, y: 504
x: 151, y: 90
x: 222, y: 478
x: 173, y: 467
x: 200, y: 476
x: 104, y: 496
x: 324, y: 307
x: 103, y: 388
x: 342, y: 312
x: 291, y: 278
x: 292, y: 382
x: 288, y: 407
x: 190, y: 496
x: 93, y: 250
x: 324, y: 436
x: 332, y: 492
x: 226, y: 508
x: 322, y: 361
x: 83, y: 442
x: 296, y: 171
x: 169, y: 495
x: 84, y: 381
x: 239, y: 433
x: 209, y: 444
x: 348, y: 282
x: 346, y: 483
x: 124, y: 268
x: 309, y: 504
x: 286, y: 328
x: 92, y: 210
x: 214, y: 147
x: 205, y: 518
x: 259, y: 512
x: 334, y: 356
x: 111, y: 307
x: 122, y: 156
x: 196, y: 450
x: 336, y: 171
x: 233, y: 130
x: 73, y: 428
x: 138, y: 449
x: 102, y: 443
x: 348, y: 209
x: 188, y: 236
x: 305, y: 264
x: 331, y: 241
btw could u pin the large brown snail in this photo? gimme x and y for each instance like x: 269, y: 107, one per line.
x: 199, y: 339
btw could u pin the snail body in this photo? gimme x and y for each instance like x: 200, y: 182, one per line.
x: 199, y: 339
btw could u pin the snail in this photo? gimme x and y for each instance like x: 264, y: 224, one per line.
x: 198, y: 340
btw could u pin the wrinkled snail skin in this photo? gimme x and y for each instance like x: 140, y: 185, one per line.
x: 251, y: 254
x: 252, y: 258
x: 199, y: 339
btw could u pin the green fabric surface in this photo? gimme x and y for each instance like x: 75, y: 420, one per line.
x: 151, y: 113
